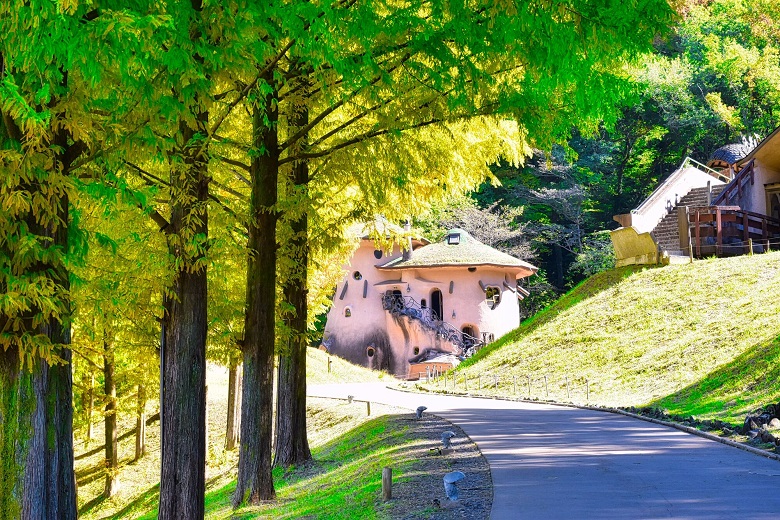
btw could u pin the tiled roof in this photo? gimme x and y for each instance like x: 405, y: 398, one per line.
x: 731, y: 153
x: 458, y: 249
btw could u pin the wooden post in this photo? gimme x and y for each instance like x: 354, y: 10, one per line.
x: 495, y: 379
x: 750, y: 246
x: 529, y: 386
x: 368, y: 408
x: 719, y: 232
x: 568, y: 393
x: 587, y: 390
x: 514, y: 384
x: 746, y: 232
x: 698, y: 234
x: 546, y: 388
x: 690, y: 250
x: 479, y: 382
x: 387, y: 484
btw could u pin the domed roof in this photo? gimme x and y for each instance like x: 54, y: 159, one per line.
x: 459, y: 248
x: 731, y: 153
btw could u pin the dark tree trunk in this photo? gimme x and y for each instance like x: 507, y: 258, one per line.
x: 255, y: 481
x: 36, y: 401
x: 182, y: 479
x: 140, y: 424
x: 292, y: 445
x: 231, y: 431
x: 112, y: 448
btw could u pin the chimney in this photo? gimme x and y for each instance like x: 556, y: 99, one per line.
x: 407, y: 254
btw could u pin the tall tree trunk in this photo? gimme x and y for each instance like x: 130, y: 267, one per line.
x: 112, y: 447
x: 183, y: 473
x: 292, y: 445
x: 255, y: 481
x: 88, y: 399
x: 36, y: 401
x: 140, y: 423
x: 231, y: 431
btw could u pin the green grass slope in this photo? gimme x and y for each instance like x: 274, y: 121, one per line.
x: 697, y: 338
x: 138, y: 488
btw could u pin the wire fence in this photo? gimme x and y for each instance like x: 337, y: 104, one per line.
x: 526, y: 386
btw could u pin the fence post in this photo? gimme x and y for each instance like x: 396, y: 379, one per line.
x: 387, y: 484
x: 368, y: 408
x: 529, y: 386
x: 495, y: 379
x: 514, y: 384
x: 750, y: 245
x: 587, y: 390
x: 546, y: 388
x: 479, y: 382
x: 568, y: 393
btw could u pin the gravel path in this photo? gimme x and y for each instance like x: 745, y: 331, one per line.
x: 413, y: 497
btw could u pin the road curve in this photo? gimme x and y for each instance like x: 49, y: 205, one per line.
x: 558, y: 462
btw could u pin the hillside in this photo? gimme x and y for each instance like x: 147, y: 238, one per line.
x: 701, y: 338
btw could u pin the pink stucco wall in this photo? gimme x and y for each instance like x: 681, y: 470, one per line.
x: 393, y: 339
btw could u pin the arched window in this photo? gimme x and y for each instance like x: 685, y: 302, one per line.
x: 357, y: 276
x: 348, y: 312
x: 377, y: 254
x: 370, y: 351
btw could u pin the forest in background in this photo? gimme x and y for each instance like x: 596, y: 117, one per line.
x: 714, y: 81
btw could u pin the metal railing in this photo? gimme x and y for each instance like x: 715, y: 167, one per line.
x: 400, y: 305
x: 526, y: 387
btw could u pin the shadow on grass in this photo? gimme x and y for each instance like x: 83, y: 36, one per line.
x: 749, y: 382
x: 145, y: 502
x: 586, y: 289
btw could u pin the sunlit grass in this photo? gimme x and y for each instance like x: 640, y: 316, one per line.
x: 696, y: 338
x: 138, y: 493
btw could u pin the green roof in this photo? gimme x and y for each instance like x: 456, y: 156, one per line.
x: 459, y: 249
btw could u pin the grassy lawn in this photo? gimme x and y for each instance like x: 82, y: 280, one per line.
x: 701, y: 338
x: 138, y: 493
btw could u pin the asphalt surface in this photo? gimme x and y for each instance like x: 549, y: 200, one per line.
x: 558, y: 462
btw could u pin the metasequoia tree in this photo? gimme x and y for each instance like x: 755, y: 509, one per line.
x: 50, y: 103
x: 355, y: 79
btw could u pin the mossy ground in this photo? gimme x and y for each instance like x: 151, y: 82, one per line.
x: 695, y: 339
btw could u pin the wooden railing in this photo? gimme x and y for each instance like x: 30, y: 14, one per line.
x: 745, y: 175
x: 730, y: 231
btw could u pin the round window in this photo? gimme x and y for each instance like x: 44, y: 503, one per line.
x: 377, y: 254
x: 357, y: 276
x: 370, y: 351
x: 416, y: 350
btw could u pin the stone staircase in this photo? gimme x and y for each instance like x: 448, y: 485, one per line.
x: 667, y: 233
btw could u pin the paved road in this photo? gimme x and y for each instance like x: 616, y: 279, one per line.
x: 556, y: 462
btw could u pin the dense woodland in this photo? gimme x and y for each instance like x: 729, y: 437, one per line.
x: 178, y: 176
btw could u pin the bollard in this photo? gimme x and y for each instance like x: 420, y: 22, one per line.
x: 387, y: 484
x: 368, y: 408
